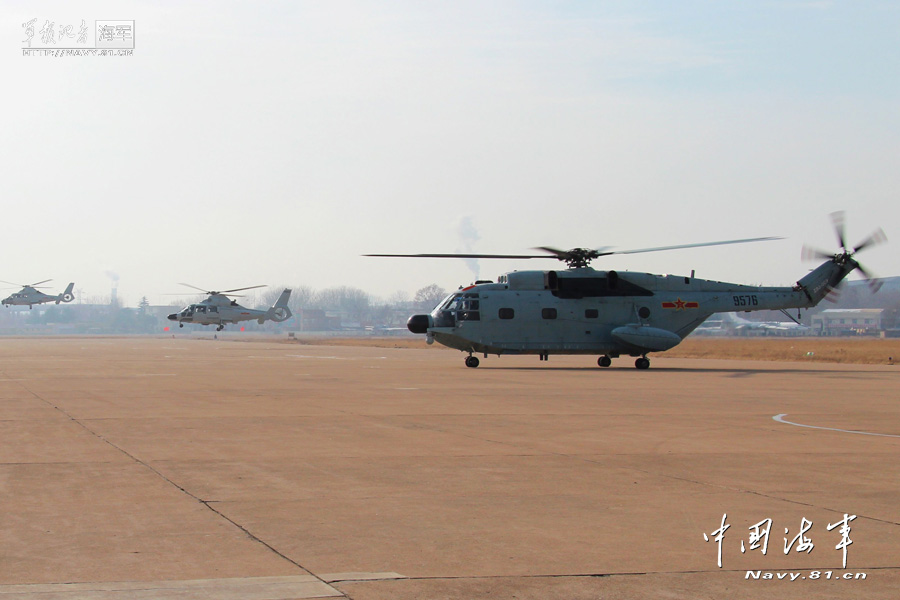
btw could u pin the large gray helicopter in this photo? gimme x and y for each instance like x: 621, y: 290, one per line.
x: 218, y: 309
x: 30, y: 295
x: 584, y: 311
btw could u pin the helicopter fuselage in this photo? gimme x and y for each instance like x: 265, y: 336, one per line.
x: 219, y: 310
x: 212, y: 314
x: 29, y: 296
x: 584, y: 311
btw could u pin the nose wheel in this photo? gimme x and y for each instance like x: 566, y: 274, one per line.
x: 642, y: 363
x: 604, y: 361
x: 472, y: 362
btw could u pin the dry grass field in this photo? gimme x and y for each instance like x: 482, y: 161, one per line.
x: 870, y: 351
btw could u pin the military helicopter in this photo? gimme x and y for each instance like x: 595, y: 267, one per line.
x: 580, y: 310
x: 30, y: 295
x: 219, y: 310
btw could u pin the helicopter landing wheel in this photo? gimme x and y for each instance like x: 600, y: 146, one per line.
x: 220, y: 328
x: 604, y: 361
x: 181, y: 324
x: 642, y: 363
x: 472, y: 362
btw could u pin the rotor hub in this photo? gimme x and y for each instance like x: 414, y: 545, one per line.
x: 578, y: 258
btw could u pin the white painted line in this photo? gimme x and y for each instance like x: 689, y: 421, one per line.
x: 780, y: 419
x: 335, y: 577
x: 245, y: 588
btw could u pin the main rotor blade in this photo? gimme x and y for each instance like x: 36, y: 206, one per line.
x: 252, y: 287
x: 26, y: 284
x: 837, y: 219
x: 459, y: 255
x: 558, y: 253
x: 722, y: 243
x: 195, y: 287
x: 563, y: 254
x: 875, y: 238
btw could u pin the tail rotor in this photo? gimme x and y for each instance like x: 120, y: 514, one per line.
x: 846, y: 257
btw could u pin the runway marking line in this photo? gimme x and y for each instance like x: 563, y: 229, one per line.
x: 243, y: 588
x: 780, y: 419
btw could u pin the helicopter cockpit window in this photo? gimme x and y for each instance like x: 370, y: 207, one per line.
x: 201, y: 309
x: 445, y: 305
x: 458, y: 307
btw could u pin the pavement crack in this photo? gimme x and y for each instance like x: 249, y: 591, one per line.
x: 180, y: 488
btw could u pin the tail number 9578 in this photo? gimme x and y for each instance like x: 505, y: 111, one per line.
x: 747, y: 300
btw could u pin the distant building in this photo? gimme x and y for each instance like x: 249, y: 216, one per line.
x: 848, y: 321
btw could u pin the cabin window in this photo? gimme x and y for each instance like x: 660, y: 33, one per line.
x: 591, y: 313
x: 507, y: 313
x: 548, y: 313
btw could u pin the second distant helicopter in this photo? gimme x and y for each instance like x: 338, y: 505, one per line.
x: 219, y: 309
x: 30, y: 295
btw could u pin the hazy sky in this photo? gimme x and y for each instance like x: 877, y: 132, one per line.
x: 250, y: 143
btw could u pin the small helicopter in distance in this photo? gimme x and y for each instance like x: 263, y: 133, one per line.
x: 583, y: 311
x: 30, y: 295
x: 219, y: 310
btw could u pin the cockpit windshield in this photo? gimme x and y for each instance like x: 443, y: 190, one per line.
x: 460, y: 306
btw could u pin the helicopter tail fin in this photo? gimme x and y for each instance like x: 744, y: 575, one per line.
x: 67, y: 295
x: 821, y: 281
x: 280, y: 312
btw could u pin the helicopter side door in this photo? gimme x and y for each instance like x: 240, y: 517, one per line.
x: 200, y: 314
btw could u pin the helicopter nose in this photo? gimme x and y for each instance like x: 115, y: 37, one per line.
x: 419, y: 323
x: 173, y: 317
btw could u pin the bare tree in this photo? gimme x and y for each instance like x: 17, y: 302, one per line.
x: 427, y: 297
x: 398, y: 299
x: 354, y: 302
x: 303, y: 296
